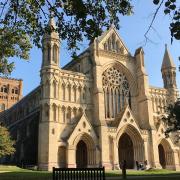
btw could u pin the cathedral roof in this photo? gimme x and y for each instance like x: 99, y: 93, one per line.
x: 167, y: 60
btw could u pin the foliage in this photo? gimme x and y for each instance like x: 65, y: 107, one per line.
x: 25, y: 20
x: 173, y: 119
x: 6, y: 144
x: 13, y: 42
x: 172, y: 8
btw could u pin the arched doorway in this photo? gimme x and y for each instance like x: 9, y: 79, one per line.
x: 166, y: 155
x: 81, y: 155
x: 126, y: 151
x: 162, y: 158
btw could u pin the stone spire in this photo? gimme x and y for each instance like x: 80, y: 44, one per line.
x: 167, y: 60
x: 168, y: 70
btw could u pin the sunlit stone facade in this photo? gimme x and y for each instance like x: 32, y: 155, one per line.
x: 98, y: 110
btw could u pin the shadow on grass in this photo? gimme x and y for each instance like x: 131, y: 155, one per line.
x: 25, y: 176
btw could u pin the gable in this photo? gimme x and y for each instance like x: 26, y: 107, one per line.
x: 111, y: 41
x: 127, y: 118
x: 83, y: 126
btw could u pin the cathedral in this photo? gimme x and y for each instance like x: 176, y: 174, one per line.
x: 98, y: 110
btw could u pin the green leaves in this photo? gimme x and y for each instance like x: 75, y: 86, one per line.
x: 76, y: 19
x: 6, y: 144
x: 13, y: 42
x: 173, y: 11
x: 24, y: 22
x: 173, y: 118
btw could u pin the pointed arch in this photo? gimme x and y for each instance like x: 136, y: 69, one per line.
x: 46, y: 89
x: 113, y: 42
x: 69, y: 92
x: 46, y: 112
x: 63, y: 110
x: 55, y: 53
x: 54, y: 112
x: 137, y: 142
x: 48, y: 53
x: 63, y: 92
x: 54, y: 89
x: 166, y: 154
x: 91, y: 148
x: 68, y: 115
x: 74, y: 93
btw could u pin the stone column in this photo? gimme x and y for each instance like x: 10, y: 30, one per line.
x: 153, y: 147
x: 176, y: 160
x: 146, y: 153
x: 116, y: 155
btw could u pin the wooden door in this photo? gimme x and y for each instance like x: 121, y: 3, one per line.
x: 81, y: 155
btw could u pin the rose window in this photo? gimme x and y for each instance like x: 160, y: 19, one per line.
x: 116, y: 91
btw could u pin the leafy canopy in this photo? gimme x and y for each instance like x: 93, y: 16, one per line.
x: 6, y: 144
x: 173, y: 119
x: 22, y: 21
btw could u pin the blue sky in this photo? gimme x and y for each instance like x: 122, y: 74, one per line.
x: 132, y: 32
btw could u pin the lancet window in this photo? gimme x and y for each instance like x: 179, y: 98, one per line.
x: 113, y: 44
x: 48, y: 53
x: 116, y: 92
x: 55, y: 53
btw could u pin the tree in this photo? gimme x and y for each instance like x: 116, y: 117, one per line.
x: 6, y: 144
x: 172, y: 119
x: 76, y: 20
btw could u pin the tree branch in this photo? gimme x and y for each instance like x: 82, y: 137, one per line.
x: 152, y: 21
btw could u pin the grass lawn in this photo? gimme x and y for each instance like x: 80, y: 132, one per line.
x: 15, y: 173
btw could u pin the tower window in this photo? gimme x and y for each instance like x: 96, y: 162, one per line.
x: 16, y: 91
x: 48, y: 53
x: 55, y: 53
x: 4, y: 89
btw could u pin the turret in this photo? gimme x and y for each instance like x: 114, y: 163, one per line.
x: 50, y: 46
x: 48, y: 124
x: 168, y: 70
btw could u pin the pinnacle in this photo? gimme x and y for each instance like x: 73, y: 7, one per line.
x: 51, y: 22
x: 167, y: 60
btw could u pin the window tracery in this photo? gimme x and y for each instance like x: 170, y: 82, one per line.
x: 116, y: 91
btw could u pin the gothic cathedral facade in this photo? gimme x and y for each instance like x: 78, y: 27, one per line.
x: 99, y: 109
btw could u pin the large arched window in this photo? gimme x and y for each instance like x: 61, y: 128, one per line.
x: 116, y: 92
